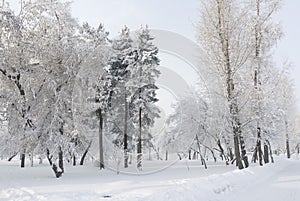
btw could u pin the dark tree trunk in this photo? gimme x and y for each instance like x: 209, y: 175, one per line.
x: 166, y: 155
x: 85, y: 153
x: 139, y: 142
x: 254, y: 156
x: 190, y: 154
x: 74, y: 160
x: 270, y: 148
x: 243, y: 148
x: 48, y: 156
x: 203, y: 162
x: 237, y: 152
x: 60, y: 159
x: 101, y: 154
x: 222, y: 152
x: 266, y: 153
x: 125, y: 134
x: 230, y: 154
x: 288, y: 153
x: 74, y: 156
x: 22, y: 157
x: 258, y: 145
x: 10, y: 158
x: 56, y: 171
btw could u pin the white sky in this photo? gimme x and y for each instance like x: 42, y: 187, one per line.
x: 180, y: 16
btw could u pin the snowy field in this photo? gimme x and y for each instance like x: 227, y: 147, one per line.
x: 184, y: 181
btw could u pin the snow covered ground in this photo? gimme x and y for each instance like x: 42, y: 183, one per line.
x: 184, y: 181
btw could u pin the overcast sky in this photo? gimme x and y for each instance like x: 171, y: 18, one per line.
x: 180, y: 16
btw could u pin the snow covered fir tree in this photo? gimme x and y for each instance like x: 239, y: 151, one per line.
x: 74, y: 99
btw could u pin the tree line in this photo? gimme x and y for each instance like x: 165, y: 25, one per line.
x: 68, y: 89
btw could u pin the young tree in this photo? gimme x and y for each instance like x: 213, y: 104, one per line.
x: 265, y: 34
x: 143, y: 75
x: 122, y: 58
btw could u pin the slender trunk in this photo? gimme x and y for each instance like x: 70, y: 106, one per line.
x: 236, y: 135
x: 237, y: 152
x: 60, y: 159
x: 179, y: 156
x: 125, y: 134
x: 166, y: 155
x: 223, y: 33
x: 22, y: 159
x: 243, y: 149
x: 254, y: 156
x: 48, y: 156
x: 85, y: 153
x: 190, y: 154
x: 74, y: 156
x: 222, y: 152
x: 230, y: 154
x: 270, y: 148
x: 10, y: 158
x: 266, y: 153
x: 203, y: 162
x: 74, y: 160
x: 288, y: 153
x: 257, y: 83
x: 258, y: 146
x: 101, y: 154
x: 139, y: 142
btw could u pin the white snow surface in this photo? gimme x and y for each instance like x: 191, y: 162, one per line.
x: 184, y: 181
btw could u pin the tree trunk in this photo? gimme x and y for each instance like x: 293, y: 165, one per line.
x: 243, y: 150
x: 270, y: 148
x: 288, y: 153
x: 266, y: 153
x: 222, y: 152
x: 190, y: 154
x: 74, y: 160
x: 139, y: 142
x: 257, y: 82
x: 254, y: 156
x: 74, y: 156
x: 258, y: 146
x: 48, y: 156
x: 60, y: 159
x: 237, y: 152
x: 56, y: 171
x: 166, y: 155
x: 22, y: 159
x: 101, y: 154
x: 125, y: 134
x: 85, y: 153
x: 203, y: 162
x: 230, y: 154
x: 10, y: 158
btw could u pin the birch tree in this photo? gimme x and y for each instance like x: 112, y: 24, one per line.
x: 222, y: 32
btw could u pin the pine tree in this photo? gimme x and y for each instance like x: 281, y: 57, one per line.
x: 143, y: 75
